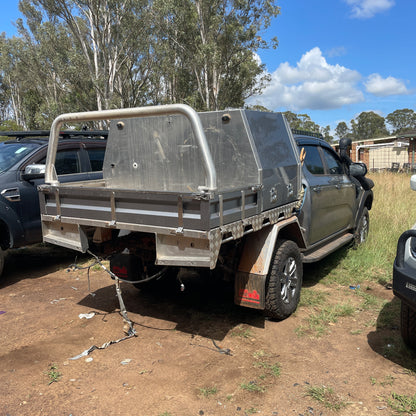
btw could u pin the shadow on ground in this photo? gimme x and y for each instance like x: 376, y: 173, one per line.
x: 313, y: 273
x: 204, y: 308
x: 386, y: 339
x: 35, y: 261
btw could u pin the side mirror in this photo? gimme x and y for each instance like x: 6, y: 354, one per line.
x: 413, y: 182
x: 359, y: 169
x: 34, y: 172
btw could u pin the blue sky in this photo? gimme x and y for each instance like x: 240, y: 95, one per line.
x: 335, y: 59
x: 338, y: 58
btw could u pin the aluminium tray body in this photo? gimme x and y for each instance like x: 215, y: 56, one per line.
x: 193, y: 190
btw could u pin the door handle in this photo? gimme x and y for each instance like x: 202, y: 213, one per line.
x: 11, y: 194
x: 317, y: 188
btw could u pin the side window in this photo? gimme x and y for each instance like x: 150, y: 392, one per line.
x: 334, y: 165
x: 67, y: 161
x: 96, y: 156
x: 313, y: 161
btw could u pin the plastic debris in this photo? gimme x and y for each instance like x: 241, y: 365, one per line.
x: 86, y: 315
x: 352, y: 287
x: 126, y: 361
x: 2, y: 312
x: 89, y: 359
x: 57, y: 300
x: 94, y: 347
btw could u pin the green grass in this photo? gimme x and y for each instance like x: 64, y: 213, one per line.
x: 311, y: 297
x: 208, y: 391
x: 253, y: 386
x: 388, y: 381
x: 263, y: 361
x: 402, y: 403
x: 318, y: 321
x: 327, y: 397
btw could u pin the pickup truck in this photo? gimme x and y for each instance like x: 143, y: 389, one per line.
x: 404, y: 281
x: 234, y: 192
x: 22, y: 167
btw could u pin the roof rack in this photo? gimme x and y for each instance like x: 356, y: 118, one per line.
x: 64, y: 134
x: 307, y: 133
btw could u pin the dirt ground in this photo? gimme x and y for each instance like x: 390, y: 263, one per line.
x: 172, y: 367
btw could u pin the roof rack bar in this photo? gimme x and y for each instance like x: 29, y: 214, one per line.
x: 307, y: 133
x: 63, y: 133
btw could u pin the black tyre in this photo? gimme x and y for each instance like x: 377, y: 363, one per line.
x: 408, y: 325
x: 2, y: 259
x: 361, y: 233
x: 284, y: 281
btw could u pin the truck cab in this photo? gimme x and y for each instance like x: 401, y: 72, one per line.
x: 337, y: 197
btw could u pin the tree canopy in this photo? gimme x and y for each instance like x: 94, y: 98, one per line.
x: 369, y: 125
x: 78, y: 55
x: 83, y: 55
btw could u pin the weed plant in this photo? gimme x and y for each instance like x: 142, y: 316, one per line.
x: 208, y: 391
x: 402, y: 403
x: 326, y: 396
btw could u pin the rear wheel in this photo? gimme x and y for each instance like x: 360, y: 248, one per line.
x: 284, y: 281
x: 361, y: 232
x: 408, y: 325
x: 2, y: 259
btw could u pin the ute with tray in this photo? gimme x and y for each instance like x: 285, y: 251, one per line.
x: 188, y: 191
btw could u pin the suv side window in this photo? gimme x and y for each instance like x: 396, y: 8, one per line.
x: 66, y: 162
x: 313, y: 161
x: 96, y: 156
x: 333, y: 164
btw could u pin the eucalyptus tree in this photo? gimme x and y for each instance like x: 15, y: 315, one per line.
x: 402, y: 120
x: 209, y: 49
x: 14, y: 79
x: 302, y: 122
x: 342, y: 130
x: 112, y: 37
x: 368, y: 125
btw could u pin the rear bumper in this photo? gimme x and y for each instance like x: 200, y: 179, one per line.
x: 404, y: 269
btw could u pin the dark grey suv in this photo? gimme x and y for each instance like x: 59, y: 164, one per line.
x: 404, y: 281
x: 80, y: 157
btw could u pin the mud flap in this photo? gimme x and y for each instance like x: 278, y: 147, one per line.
x: 250, y: 281
x: 249, y: 290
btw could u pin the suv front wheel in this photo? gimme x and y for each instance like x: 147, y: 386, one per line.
x: 363, y: 227
x: 408, y: 325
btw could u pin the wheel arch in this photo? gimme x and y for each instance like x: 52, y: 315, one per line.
x: 257, y: 258
x: 11, y: 230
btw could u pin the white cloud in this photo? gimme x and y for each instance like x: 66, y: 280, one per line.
x: 365, y: 9
x: 338, y: 51
x: 383, y: 87
x: 311, y: 84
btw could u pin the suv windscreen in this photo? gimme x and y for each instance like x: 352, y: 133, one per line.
x: 12, y: 153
